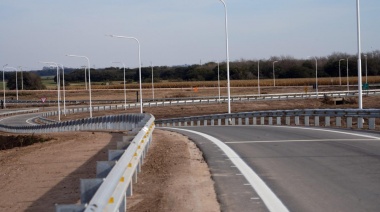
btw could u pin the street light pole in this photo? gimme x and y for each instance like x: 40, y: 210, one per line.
x: 89, y: 78
x: 4, y: 84
x: 348, y: 82
x: 64, y: 90
x: 258, y: 76
x: 274, y: 76
x: 316, y: 76
x: 15, y: 69
x: 151, y: 64
x: 58, y: 87
x: 218, y: 82
x: 85, y: 77
x: 366, y: 73
x: 228, y: 58
x: 340, y: 79
x: 125, y: 92
x: 138, y: 42
x: 360, y: 102
x: 22, y: 78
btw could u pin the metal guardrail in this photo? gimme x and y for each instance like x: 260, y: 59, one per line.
x: 211, y: 99
x: 16, y: 112
x: 111, y: 122
x: 364, y: 117
x: 114, y: 180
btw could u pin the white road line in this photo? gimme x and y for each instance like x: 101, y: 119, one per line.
x: 318, y: 129
x: 270, y: 199
x: 311, y: 140
x: 29, y: 121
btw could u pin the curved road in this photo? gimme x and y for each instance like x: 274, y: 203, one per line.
x: 280, y: 168
x: 19, y: 120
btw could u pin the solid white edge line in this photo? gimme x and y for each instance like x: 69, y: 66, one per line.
x: 311, y: 140
x: 325, y: 130
x: 272, y: 202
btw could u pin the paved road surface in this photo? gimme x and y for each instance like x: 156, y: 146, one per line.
x: 19, y: 120
x: 307, y: 169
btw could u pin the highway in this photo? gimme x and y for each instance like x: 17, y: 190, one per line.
x: 19, y: 120
x: 280, y: 168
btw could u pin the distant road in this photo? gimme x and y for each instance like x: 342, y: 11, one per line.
x: 19, y: 120
x: 306, y: 169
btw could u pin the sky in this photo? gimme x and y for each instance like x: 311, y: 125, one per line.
x: 178, y: 32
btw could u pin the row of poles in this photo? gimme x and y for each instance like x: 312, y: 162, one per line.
x: 227, y: 61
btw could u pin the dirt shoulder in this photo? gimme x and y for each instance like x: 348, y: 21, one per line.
x: 34, y: 178
x: 175, y: 177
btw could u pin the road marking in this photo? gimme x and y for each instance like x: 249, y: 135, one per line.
x: 29, y: 121
x: 270, y: 199
x: 319, y: 129
x: 311, y: 140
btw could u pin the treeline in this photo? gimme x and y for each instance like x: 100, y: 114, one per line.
x: 286, y: 67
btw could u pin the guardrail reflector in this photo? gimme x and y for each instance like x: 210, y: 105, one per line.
x: 130, y: 165
x: 111, y: 200
x: 122, y: 179
x: 139, y: 147
x: 135, y: 154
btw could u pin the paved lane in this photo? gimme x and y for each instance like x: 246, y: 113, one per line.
x: 309, y: 169
x: 19, y: 120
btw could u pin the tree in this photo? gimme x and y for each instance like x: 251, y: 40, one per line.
x: 31, y: 81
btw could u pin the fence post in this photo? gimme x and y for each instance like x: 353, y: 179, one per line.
x: 278, y: 120
x: 371, y: 123
x: 349, y: 122
x: 307, y: 121
x: 316, y: 121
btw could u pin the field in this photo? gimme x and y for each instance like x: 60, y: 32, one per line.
x: 115, y: 90
x: 234, y: 83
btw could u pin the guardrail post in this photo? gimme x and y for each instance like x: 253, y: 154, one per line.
x: 205, y: 122
x: 226, y: 121
x: 349, y: 122
x: 262, y: 120
x: 327, y: 121
x: 246, y: 121
x: 278, y: 120
x: 88, y: 188
x: 371, y: 123
x: 307, y: 120
x: 192, y: 123
x: 212, y: 121
x: 185, y: 123
x: 338, y: 121
x: 254, y: 122
x: 287, y: 120
x: 198, y: 123
x: 240, y: 121
x: 297, y: 120
x: 270, y: 121
x: 316, y: 121
x: 232, y: 121
x: 360, y: 122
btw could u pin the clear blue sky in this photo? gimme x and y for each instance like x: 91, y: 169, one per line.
x: 175, y: 32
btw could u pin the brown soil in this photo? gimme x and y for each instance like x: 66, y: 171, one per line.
x: 174, y: 178
x: 35, y: 177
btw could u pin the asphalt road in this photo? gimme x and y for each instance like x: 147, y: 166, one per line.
x: 306, y: 169
x: 19, y: 120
